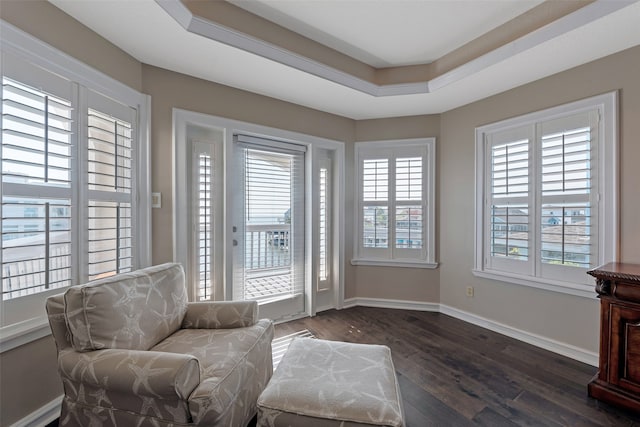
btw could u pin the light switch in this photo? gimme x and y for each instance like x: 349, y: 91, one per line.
x: 156, y: 200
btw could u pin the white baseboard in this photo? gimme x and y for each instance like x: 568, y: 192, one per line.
x: 558, y: 347
x: 392, y: 303
x: 43, y: 415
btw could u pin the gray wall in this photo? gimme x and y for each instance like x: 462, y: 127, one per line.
x: 564, y: 318
x: 28, y: 376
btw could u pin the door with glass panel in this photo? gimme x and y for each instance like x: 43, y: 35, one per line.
x: 268, y: 225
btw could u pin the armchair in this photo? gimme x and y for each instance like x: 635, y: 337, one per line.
x: 133, y: 352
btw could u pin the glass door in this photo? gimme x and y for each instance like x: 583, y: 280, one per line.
x: 268, y: 226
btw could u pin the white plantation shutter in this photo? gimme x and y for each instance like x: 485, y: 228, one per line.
x: 509, y: 199
x: 109, y: 153
x: 568, y: 165
x: 37, y: 147
x: 324, y: 226
x: 204, y: 217
x: 271, y: 237
x: 110, y: 160
x: 409, y: 208
x: 393, y: 201
x: 549, y: 193
x: 375, y: 206
x: 36, y: 135
x: 70, y: 175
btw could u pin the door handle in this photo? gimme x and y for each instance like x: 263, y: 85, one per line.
x: 235, y: 242
x: 234, y: 229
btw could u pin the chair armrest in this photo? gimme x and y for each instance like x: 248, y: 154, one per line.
x: 143, y: 373
x: 220, y: 315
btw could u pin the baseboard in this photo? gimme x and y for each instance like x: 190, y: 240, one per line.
x: 558, y: 347
x: 391, y: 303
x: 43, y: 415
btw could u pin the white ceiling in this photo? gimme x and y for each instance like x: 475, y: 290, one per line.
x: 386, y: 33
x: 144, y: 30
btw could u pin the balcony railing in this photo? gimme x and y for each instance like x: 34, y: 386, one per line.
x: 267, y: 247
x: 267, y: 261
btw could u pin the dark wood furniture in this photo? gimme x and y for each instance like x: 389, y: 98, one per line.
x: 618, y: 378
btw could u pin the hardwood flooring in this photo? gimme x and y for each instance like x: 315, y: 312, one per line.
x: 452, y: 373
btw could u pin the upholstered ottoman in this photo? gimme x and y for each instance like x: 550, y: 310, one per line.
x: 327, y: 383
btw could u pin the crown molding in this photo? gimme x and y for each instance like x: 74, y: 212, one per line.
x: 240, y: 40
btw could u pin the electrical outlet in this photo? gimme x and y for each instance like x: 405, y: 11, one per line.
x: 469, y: 291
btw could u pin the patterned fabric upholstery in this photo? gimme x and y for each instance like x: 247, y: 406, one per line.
x: 133, y: 351
x: 322, y: 383
x: 227, y: 314
x: 129, y: 311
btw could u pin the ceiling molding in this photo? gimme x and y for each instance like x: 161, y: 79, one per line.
x: 220, y: 33
x: 577, y: 19
x: 231, y: 37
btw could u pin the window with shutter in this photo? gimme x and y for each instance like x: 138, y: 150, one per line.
x: 110, y: 130
x: 395, y: 214
x: 375, y: 209
x: 73, y: 167
x: 408, y: 224
x: 36, y: 189
x: 549, y: 186
x: 203, y: 165
x: 565, y: 220
x: 323, y: 262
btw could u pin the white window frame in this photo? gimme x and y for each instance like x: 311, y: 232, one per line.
x: 390, y: 256
x: 605, y: 188
x: 32, y: 323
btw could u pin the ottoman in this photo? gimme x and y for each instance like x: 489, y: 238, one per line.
x: 328, y: 383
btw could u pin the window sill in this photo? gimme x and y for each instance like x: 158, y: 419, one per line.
x: 22, y: 333
x: 394, y: 263
x: 559, y: 286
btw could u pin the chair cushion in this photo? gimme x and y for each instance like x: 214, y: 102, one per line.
x: 131, y: 311
x: 231, y: 361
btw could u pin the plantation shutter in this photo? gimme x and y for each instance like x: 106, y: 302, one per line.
x: 393, y: 203
x: 324, y: 225
x: 568, y: 206
x: 273, y: 217
x: 203, y: 219
x: 375, y: 203
x: 37, y: 197
x: 110, y: 179
x: 509, y: 199
x: 409, y: 206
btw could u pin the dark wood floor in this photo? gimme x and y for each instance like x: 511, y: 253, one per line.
x: 453, y: 373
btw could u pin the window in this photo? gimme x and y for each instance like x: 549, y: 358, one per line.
x: 324, y: 223
x: 395, y: 213
x: 203, y: 162
x: 73, y: 178
x: 546, y: 196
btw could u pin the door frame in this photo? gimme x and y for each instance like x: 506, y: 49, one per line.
x: 186, y: 124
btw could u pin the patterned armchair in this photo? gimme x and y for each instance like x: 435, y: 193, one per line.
x: 133, y: 352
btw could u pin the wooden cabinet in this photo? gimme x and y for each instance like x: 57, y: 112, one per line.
x: 618, y: 378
